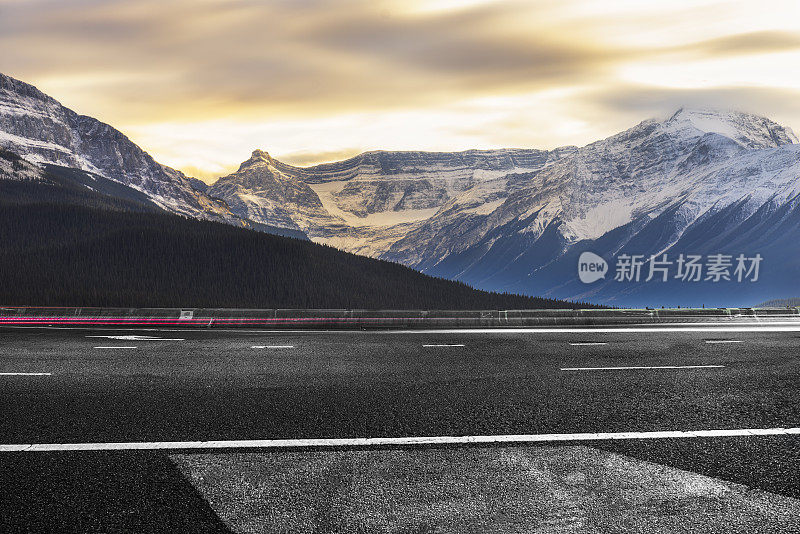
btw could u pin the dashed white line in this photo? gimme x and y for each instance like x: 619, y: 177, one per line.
x: 272, y: 347
x: 394, y: 441
x: 634, y: 367
x: 26, y: 374
x: 116, y: 347
x: 588, y: 344
x: 444, y: 345
x: 723, y: 341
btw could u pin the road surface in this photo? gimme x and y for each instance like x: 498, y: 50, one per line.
x: 62, y: 386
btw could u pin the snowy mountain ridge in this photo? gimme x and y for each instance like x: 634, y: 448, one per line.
x: 478, y: 215
x: 40, y: 129
x: 505, y: 219
x: 376, y: 191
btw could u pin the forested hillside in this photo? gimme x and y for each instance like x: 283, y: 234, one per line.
x: 94, y: 250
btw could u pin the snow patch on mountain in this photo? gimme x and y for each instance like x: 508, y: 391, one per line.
x: 750, y: 131
x: 14, y: 167
x: 600, y: 219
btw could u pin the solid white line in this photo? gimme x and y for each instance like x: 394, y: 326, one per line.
x: 272, y: 347
x: 588, y: 344
x: 793, y: 326
x: 776, y: 326
x: 396, y: 441
x: 116, y: 347
x: 26, y: 374
x: 641, y: 367
x: 770, y: 326
x: 140, y: 338
x: 723, y: 341
x: 442, y: 345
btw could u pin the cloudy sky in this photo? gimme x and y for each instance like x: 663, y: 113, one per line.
x: 201, y: 83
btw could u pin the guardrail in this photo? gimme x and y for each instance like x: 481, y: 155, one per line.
x: 367, y: 319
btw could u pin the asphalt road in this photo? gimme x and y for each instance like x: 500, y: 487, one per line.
x: 211, y: 385
x: 78, y: 386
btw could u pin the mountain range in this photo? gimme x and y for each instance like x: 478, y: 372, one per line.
x: 38, y: 128
x: 698, y: 183
x: 66, y: 241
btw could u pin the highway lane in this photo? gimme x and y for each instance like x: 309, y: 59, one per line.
x: 65, y: 385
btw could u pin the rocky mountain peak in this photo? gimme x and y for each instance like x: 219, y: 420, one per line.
x: 11, y: 86
x: 38, y: 128
x: 746, y: 129
x: 257, y: 157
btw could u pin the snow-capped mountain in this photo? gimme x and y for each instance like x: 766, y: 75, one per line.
x: 263, y: 191
x: 41, y: 130
x: 699, y: 182
x: 516, y: 220
x: 367, y: 203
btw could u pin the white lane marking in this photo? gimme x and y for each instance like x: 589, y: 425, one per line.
x: 771, y: 326
x: 444, y: 345
x: 116, y: 347
x: 776, y: 326
x: 396, y: 441
x: 793, y: 326
x: 26, y: 374
x: 272, y: 347
x: 140, y: 338
x: 588, y: 344
x: 723, y: 341
x: 641, y: 367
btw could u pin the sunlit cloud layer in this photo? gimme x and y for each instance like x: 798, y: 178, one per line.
x: 201, y: 83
